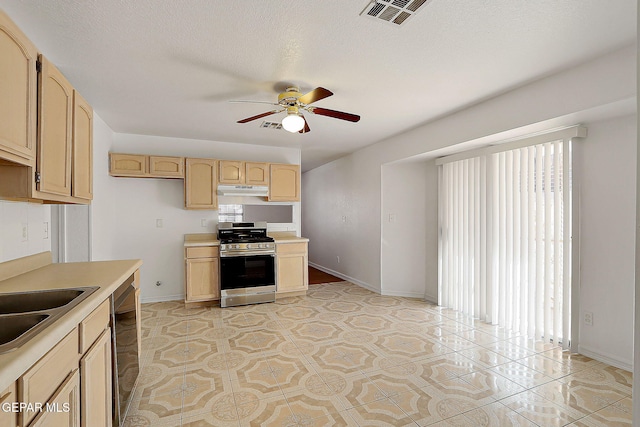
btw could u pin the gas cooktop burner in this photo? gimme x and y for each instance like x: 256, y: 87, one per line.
x: 249, y: 239
x: 244, y: 239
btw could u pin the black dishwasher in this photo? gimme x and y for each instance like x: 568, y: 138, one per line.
x: 126, y: 365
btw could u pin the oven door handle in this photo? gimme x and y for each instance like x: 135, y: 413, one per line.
x: 245, y: 254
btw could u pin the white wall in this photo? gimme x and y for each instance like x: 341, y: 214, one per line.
x: 103, y: 208
x: 607, y: 239
x: 125, y: 210
x: 352, y: 185
x: 409, y: 248
x: 13, y: 217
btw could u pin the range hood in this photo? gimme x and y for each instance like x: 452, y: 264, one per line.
x: 243, y: 190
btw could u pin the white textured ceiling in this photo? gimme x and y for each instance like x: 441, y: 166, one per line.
x: 167, y: 67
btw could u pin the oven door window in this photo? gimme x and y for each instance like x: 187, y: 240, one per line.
x: 247, y: 271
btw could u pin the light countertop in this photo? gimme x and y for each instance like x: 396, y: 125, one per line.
x: 106, y: 275
x: 201, y: 239
x: 286, y: 237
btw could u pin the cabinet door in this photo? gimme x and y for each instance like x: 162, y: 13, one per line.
x: 42, y: 380
x: 284, y: 185
x: 292, y: 273
x: 127, y: 164
x: 55, y: 109
x: 166, y: 167
x: 256, y: 173
x: 231, y: 172
x: 8, y: 418
x: 82, y: 164
x: 200, y: 184
x: 202, y: 279
x: 95, y: 386
x: 64, y: 406
x: 18, y: 58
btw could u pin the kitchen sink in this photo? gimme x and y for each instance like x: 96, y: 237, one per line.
x: 25, y: 314
x: 14, y: 326
x: 22, y: 302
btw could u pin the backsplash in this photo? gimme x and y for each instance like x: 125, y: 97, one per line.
x: 22, y: 229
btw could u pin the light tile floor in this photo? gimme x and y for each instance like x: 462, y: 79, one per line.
x: 344, y: 356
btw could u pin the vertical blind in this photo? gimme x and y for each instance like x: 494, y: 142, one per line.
x: 504, y: 244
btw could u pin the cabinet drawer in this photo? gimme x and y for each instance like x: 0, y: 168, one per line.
x: 291, y: 248
x: 8, y: 418
x: 203, y: 252
x: 40, y: 382
x: 93, y: 325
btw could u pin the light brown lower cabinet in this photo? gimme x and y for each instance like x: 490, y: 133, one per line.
x: 70, y: 396
x: 63, y: 409
x: 8, y: 396
x: 202, y: 270
x: 95, y: 383
x: 292, y: 267
x: 41, y: 381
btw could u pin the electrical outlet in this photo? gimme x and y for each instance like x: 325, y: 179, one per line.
x: 25, y: 232
x: 46, y: 230
x: 344, y: 218
x: 392, y: 217
x: 159, y: 223
x: 588, y: 318
x: 203, y: 222
x: 338, y: 259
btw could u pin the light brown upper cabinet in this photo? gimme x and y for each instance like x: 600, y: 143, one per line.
x: 18, y: 80
x: 61, y: 171
x: 144, y: 166
x: 231, y: 172
x: 128, y: 164
x: 200, y: 184
x: 55, y: 120
x: 284, y: 185
x: 256, y: 173
x: 166, y: 167
x: 82, y: 163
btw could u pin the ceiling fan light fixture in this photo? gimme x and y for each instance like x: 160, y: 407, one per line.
x: 293, y: 122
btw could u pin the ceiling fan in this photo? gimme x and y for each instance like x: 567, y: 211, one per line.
x: 293, y: 102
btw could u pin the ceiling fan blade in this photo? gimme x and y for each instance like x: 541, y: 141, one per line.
x: 335, y: 114
x: 306, y: 128
x: 315, y: 95
x: 255, y: 102
x: 259, y: 116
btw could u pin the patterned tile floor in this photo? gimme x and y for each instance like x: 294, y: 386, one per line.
x: 344, y: 356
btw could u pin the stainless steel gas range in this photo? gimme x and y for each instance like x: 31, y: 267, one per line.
x: 247, y: 264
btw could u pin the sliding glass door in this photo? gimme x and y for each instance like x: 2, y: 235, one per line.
x: 505, y: 231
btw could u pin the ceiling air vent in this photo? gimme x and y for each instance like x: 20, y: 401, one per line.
x: 395, y: 12
x: 271, y: 125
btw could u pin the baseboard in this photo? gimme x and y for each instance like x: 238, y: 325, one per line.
x: 345, y: 277
x: 163, y: 298
x: 431, y: 298
x: 404, y: 294
x: 605, y: 358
